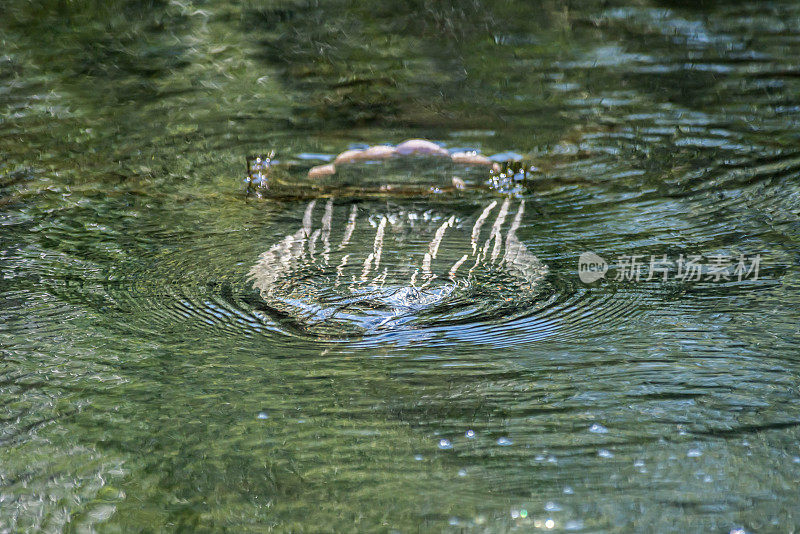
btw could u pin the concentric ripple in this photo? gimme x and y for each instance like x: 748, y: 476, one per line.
x: 364, y: 272
x: 355, y: 268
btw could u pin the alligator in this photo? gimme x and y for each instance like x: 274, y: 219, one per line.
x: 409, y: 247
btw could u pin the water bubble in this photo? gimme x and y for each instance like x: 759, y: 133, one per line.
x: 263, y: 415
x: 738, y: 531
x: 568, y: 490
x: 573, y: 524
x: 462, y: 472
x: 549, y: 523
x: 598, y: 429
x: 708, y: 478
x: 453, y: 521
x: 504, y: 442
x: 552, y: 507
x: 796, y: 459
x: 694, y: 453
x: 418, y: 457
x: 605, y: 453
x: 470, y: 434
x: 638, y: 463
x: 514, y: 514
x: 445, y: 444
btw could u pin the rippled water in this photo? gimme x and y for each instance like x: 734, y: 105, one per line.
x: 170, y: 361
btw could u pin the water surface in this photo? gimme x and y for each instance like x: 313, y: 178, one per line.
x: 146, y: 384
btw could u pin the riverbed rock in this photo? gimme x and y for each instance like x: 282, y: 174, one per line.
x: 421, y: 147
x: 470, y: 158
x: 321, y: 171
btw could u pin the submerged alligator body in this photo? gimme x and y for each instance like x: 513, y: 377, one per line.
x: 356, y: 264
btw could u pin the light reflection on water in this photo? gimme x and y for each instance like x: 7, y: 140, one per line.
x: 374, y: 268
x: 137, y: 360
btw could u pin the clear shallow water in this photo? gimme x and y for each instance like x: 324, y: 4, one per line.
x: 146, y: 383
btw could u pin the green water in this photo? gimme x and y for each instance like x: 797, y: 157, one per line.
x: 146, y: 385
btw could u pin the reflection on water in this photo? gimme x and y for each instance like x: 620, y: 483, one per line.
x: 145, y: 381
x: 388, y: 267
